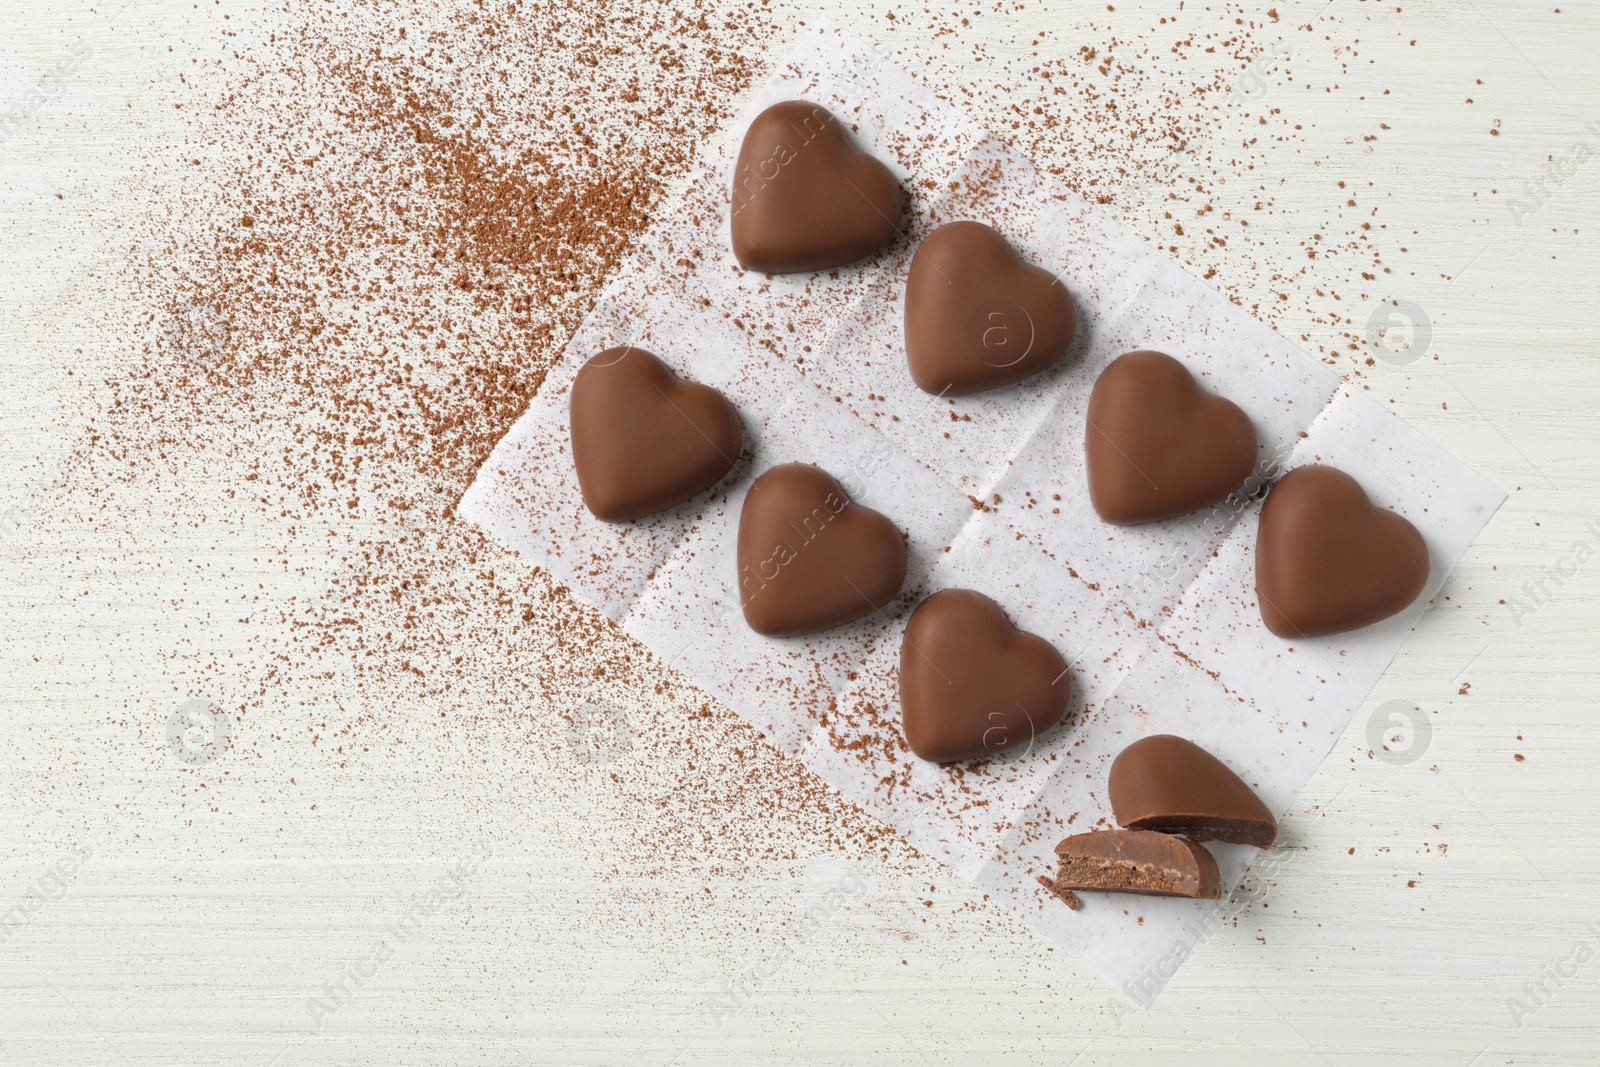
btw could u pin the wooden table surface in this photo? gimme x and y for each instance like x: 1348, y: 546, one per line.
x: 1443, y: 903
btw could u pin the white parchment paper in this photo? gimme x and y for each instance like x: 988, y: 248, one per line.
x: 1159, y: 621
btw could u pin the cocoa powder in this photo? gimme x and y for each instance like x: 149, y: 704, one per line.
x: 391, y: 223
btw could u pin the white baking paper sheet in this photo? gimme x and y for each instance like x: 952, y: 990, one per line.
x: 1159, y: 621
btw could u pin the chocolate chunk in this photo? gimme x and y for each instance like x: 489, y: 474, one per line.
x: 971, y: 683
x: 643, y: 439
x: 1066, y: 896
x: 804, y: 197
x: 1137, y: 861
x: 1328, y: 560
x: 809, y: 559
x: 978, y: 315
x: 1157, y: 445
x: 1171, y: 784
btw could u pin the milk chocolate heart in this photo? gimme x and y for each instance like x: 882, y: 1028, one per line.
x: 971, y: 683
x: 1328, y: 560
x: 643, y: 439
x: 1171, y: 784
x: 978, y: 315
x: 1157, y: 445
x: 1135, y: 861
x: 804, y: 197
x: 809, y: 559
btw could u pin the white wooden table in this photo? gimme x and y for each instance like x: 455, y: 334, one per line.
x: 1443, y: 909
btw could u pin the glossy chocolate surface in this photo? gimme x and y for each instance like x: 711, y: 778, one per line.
x: 805, y: 197
x: 1157, y: 445
x: 972, y: 684
x: 1329, y: 561
x: 979, y: 316
x: 809, y: 559
x: 1168, y: 783
x: 643, y: 439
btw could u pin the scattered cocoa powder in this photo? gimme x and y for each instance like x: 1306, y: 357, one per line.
x: 390, y: 222
x: 399, y: 223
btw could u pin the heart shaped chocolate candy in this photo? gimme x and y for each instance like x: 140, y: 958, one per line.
x: 1157, y: 445
x: 978, y: 315
x: 809, y: 559
x: 643, y: 439
x: 805, y: 197
x: 1328, y: 560
x: 1171, y: 784
x: 971, y: 683
x: 1136, y: 861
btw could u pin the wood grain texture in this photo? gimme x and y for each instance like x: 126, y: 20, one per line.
x: 1422, y: 897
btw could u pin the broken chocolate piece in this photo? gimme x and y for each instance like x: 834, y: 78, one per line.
x: 809, y: 559
x: 1066, y: 896
x: 978, y: 315
x: 643, y: 439
x: 804, y: 197
x: 1138, y: 861
x: 1171, y: 784
x: 1328, y: 560
x: 971, y: 683
x: 1158, y: 446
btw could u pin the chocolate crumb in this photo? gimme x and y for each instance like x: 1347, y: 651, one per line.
x: 1066, y: 896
